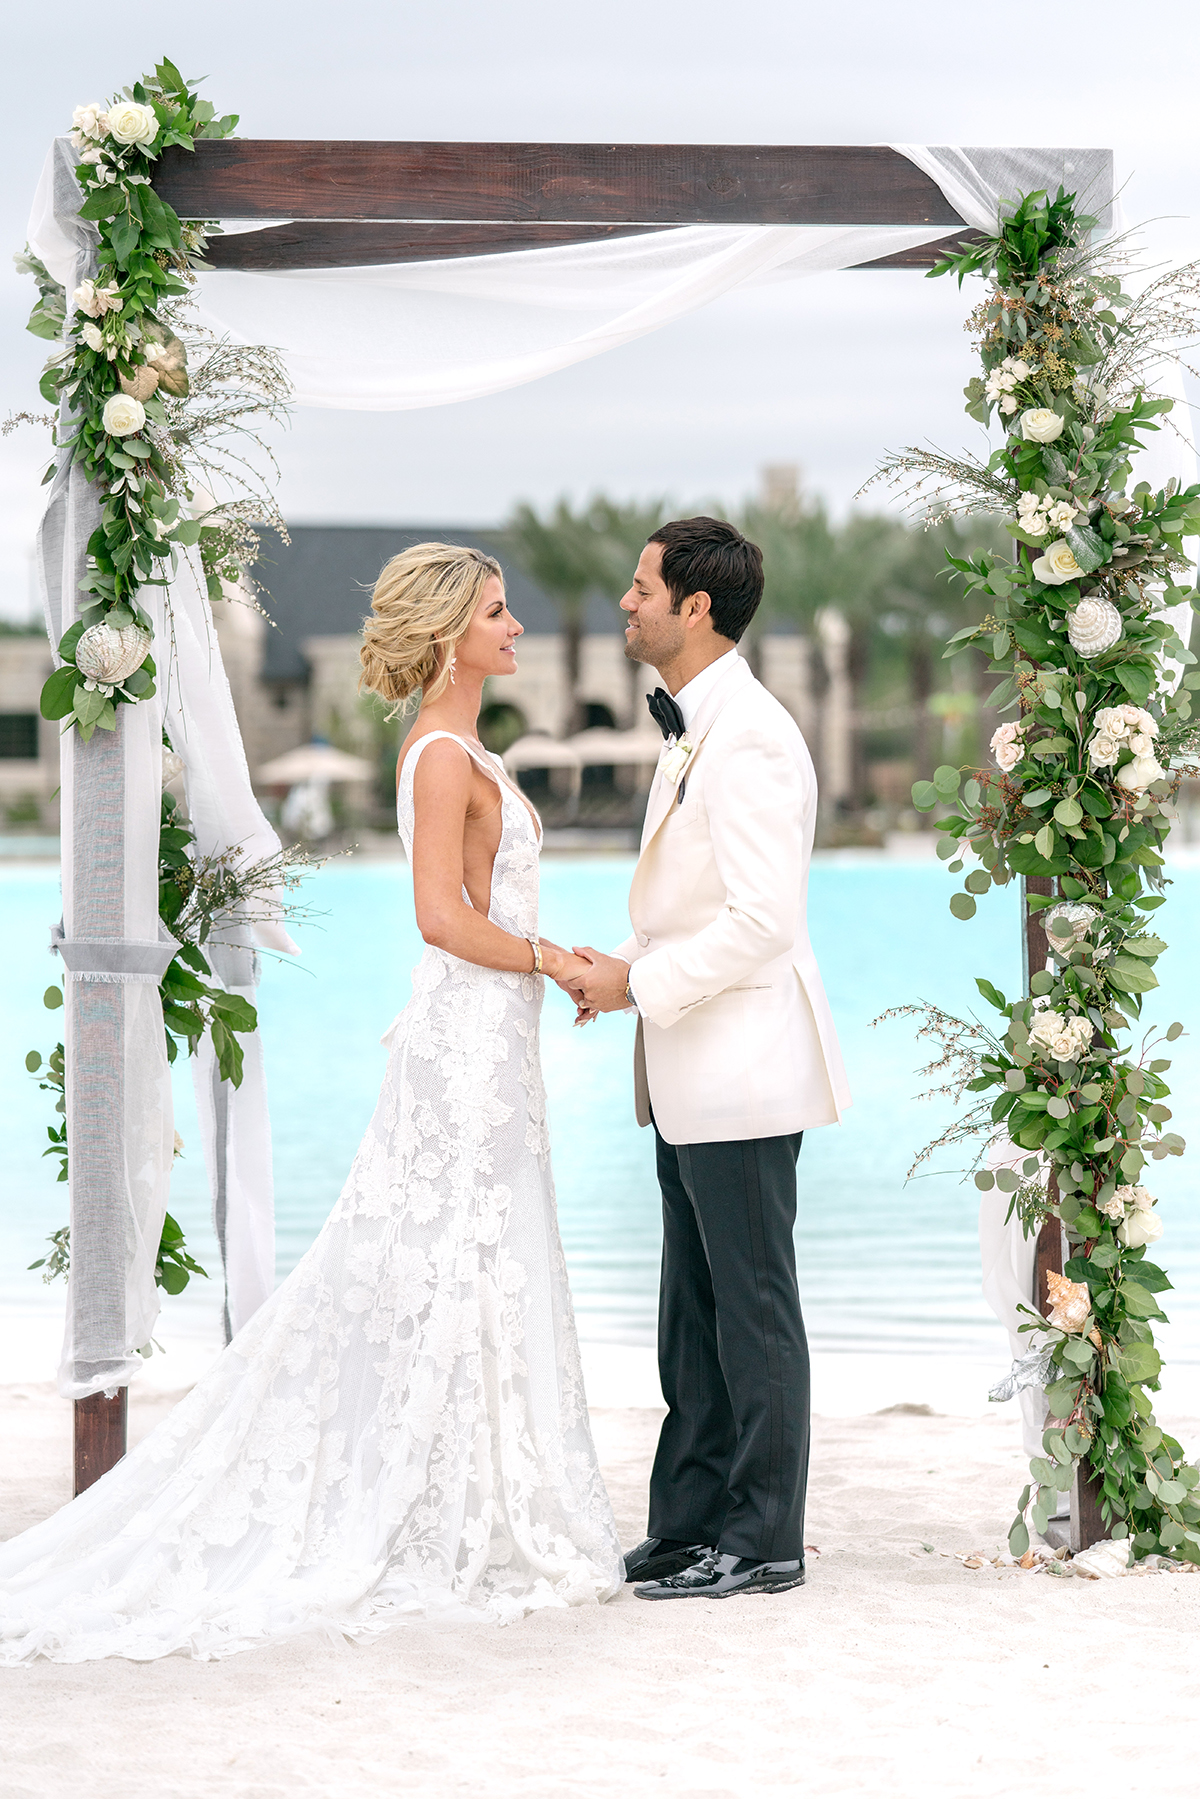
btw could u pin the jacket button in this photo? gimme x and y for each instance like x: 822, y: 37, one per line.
x: 642, y: 940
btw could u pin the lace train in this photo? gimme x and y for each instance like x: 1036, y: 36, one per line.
x: 402, y: 1429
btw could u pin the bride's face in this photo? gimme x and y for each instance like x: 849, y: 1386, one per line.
x: 488, y: 646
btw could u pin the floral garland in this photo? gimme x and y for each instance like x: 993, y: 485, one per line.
x: 119, y: 357
x: 1077, y: 805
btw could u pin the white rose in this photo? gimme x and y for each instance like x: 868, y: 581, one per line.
x: 1103, y: 750
x: 130, y: 123
x: 91, y: 336
x: 1057, y: 564
x: 1039, y: 425
x: 1007, y: 747
x: 84, y: 299
x: 1028, y: 501
x: 1140, y: 1227
x: 1008, y: 404
x: 1137, y: 775
x: 1114, y: 1205
x: 1144, y: 722
x: 1063, y: 1049
x: 1109, y: 720
x: 1132, y: 715
x: 1141, y: 744
x: 91, y: 157
x: 1141, y: 1197
x: 1020, y: 369
x: 1046, y: 1027
x: 123, y: 415
x: 90, y: 120
x: 1061, y: 515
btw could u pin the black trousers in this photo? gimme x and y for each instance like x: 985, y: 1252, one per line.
x: 732, y: 1462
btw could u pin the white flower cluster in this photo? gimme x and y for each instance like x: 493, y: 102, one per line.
x: 1038, y: 514
x: 96, y: 301
x: 126, y: 122
x: 1066, y: 1035
x: 1129, y: 728
x: 1007, y: 746
x: 1132, y: 1209
x: 1003, y: 379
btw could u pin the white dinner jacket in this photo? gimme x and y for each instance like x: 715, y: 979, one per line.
x: 735, y: 1037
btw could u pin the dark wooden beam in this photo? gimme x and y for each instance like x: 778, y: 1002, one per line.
x: 340, y: 244
x: 600, y: 184
x: 343, y: 243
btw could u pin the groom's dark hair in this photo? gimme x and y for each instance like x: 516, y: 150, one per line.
x: 707, y: 555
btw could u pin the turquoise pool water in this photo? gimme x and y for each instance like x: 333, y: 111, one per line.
x: 883, y: 1266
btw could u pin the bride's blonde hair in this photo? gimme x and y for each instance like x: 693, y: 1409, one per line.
x: 423, y: 602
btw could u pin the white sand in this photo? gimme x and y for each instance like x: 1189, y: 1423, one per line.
x: 894, y: 1671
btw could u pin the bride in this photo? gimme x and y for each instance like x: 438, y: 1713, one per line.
x: 401, y: 1430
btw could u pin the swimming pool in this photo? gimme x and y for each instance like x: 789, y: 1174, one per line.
x: 883, y: 1266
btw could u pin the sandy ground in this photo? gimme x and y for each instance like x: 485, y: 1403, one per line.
x: 896, y: 1670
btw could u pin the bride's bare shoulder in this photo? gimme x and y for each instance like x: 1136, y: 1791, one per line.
x: 446, y: 754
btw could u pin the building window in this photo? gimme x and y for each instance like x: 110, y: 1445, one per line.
x: 18, y: 736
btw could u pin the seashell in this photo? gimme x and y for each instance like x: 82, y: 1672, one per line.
x: 1093, y: 627
x: 1070, y: 1301
x: 110, y: 653
x: 141, y: 384
x: 1069, y: 924
x: 162, y: 348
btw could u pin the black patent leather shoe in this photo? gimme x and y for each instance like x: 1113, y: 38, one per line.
x: 721, y: 1576
x: 659, y: 1556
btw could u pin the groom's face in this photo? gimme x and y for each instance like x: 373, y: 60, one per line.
x: 654, y: 633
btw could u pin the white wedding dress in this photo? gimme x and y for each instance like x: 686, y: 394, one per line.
x: 401, y: 1430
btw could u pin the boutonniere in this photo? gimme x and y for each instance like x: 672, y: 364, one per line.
x: 677, y: 753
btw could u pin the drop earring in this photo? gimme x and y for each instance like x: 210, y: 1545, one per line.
x: 453, y: 665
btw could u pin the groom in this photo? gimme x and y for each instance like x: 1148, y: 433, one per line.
x: 735, y: 1058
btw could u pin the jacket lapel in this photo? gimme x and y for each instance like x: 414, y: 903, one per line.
x: 662, y: 793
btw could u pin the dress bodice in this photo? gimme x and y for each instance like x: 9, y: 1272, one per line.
x: 514, y: 897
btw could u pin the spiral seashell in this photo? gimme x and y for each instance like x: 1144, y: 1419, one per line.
x: 110, y: 653
x: 1069, y: 924
x: 1070, y: 1301
x: 1093, y: 627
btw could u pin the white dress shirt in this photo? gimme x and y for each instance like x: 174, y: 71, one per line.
x: 690, y: 698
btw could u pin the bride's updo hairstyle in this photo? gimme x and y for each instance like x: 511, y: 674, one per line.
x: 423, y: 602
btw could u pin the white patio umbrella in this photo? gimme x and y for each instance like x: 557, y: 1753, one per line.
x: 540, y: 752
x: 315, y: 762
x: 605, y: 747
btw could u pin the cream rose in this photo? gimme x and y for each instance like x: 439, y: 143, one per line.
x: 1104, y: 750
x: 90, y: 120
x: 130, y: 123
x: 1140, y: 1227
x: 1007, y: 747
x: 92, y: 337
x: 1039, y: 425
x: 1137, y: 775
x: 1057, y: 565
x: 123, y: 415
x: 95, y: 301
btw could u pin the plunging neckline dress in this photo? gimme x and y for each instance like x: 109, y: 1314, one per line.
x: 401, y: 1430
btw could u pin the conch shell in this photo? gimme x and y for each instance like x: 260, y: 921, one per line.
x: 110, y: 653
x: 1070, y: 1302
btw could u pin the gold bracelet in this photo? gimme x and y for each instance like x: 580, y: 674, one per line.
x: 536, y: 947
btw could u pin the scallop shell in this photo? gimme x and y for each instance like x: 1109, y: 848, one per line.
x: 111, y: 653
x: 1069, y: 924
x: 1093, y: 627
x: 1070, y: 1301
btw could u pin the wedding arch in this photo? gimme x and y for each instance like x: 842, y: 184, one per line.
x: 392, y: 275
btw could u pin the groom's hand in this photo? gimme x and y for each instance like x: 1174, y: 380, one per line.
x: 602, y: 989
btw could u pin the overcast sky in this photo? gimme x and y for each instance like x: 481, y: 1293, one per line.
x: 825, y: 373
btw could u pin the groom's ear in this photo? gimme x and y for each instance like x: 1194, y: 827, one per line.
x: 697, y: 607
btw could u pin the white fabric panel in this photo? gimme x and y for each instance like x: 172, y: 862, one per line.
x: 977, y: 178
x: 392, y: 338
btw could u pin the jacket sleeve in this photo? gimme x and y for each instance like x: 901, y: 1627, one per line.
x: 756, y: 799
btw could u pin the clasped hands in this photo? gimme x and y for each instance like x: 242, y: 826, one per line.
x: 594, y: 981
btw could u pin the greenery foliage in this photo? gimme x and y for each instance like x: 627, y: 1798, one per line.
x: 1078, y: 635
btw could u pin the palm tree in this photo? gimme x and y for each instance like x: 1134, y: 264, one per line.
x: 564, y: 555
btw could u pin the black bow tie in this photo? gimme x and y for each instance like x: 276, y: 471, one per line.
x: 665, y: 713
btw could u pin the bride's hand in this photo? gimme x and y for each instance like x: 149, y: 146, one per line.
x: 561, y: 966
